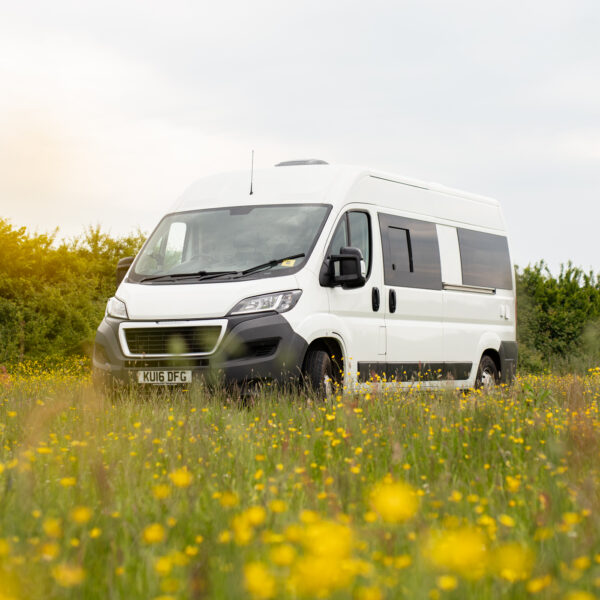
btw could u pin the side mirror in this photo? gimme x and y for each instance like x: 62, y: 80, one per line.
x: 122, y: 268
x: 347, y: 268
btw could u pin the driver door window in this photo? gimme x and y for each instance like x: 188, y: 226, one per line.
x: 354, y: 229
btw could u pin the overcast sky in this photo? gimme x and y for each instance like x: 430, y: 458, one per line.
x: 109, y: 110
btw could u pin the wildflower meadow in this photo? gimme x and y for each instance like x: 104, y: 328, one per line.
x: 369, y: 495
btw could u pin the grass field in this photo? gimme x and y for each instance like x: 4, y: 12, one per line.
x: 382, y: 494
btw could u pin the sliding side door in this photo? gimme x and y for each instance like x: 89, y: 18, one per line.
x: 412, y: 299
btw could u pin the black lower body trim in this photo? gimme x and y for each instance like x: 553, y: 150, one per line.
x: 414, y: 371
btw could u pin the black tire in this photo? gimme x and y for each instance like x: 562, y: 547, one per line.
x: 318, y: 372
x: 487, y: 374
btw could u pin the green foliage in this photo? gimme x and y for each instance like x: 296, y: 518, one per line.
x: 558, y: 316
x: 53, y: 294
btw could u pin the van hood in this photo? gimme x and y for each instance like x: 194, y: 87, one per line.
x: 165, y: 302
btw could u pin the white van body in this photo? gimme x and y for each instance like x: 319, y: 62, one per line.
x: 437, y: 260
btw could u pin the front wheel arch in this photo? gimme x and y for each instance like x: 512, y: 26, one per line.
x: 334, y: 349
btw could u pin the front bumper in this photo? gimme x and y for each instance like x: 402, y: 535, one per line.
x: 254, y: 347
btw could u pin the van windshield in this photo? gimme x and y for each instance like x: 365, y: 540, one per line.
x: 222, y: 242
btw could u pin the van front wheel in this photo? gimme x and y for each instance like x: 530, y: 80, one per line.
x: 487, y: 374
x: 318, y: 372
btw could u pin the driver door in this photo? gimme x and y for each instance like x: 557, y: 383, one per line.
x: 360, y: 310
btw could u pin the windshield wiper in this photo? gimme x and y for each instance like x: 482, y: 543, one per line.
x: 269, y: 265
x: 199, y: 275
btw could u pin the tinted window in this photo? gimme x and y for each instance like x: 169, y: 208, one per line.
x: 400, y: 249
x: 485, y: 260
x: 360, y: 234
x: 353, y: 230
x: 411, y: 253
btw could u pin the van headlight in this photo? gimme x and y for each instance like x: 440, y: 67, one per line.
x: 116, y: 308
x: 279, y: 302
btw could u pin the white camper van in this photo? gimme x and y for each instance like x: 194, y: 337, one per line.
x: 318, y: 272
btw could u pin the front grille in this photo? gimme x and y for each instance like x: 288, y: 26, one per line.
x: 172, y: 340
x: 171, y: 363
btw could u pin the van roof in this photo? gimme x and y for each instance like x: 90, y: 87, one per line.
x: 296, y: 184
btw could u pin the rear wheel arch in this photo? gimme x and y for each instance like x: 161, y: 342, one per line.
x: 495, y: 356
x: 488, y: 371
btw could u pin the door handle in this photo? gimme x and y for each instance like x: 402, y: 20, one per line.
x: 392, y: 301
x: 375, y: 300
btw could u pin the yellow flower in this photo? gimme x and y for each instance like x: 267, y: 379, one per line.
x: 258, y: 581
x: 455, y: 496
x: 582, y: 563
x: 278, y: 506
x: 52, y: 527
x: 181, y: 477
x: 513, y: 484
x: 49, y: 551
x: 256, y: 515
x: 163, y: 565
x: 328, y: 539
x: 161, y: 491
x: 402, y: 561
x: 538, y: 584
x: 394, y: 502
x: 506, y: 520
x: 282, y: 555
x: 154, y: 533
x: 320, y: 575
x: 229, y: 499
x: 81, y: 514
x: 68, y: 481
x: 580, y: 595
x: 463, y: 551
x: 447, y: 582
x: 309, y: 516
x: 224, y: 537
x: 571, y: 518
x: 513, y: 561
x: 368, y: 593
x: 242, y: 530
x: 95, y: 532
x: 68, y: 575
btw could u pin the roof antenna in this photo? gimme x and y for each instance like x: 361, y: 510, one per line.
x: 252, y: 173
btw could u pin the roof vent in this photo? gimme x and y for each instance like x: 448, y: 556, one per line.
x: 296, y: 163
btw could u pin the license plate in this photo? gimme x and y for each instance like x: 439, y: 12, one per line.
x: 170, y: 377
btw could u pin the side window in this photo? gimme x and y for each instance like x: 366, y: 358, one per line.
x: 411, y: 254
x: 354, y: 229
x: 485, y: 260
x: 360, y: 234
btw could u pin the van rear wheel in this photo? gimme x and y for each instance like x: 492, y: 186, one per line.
x: 318, y: 372
x: 487, y: 374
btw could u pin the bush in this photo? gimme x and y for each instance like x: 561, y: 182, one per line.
x: 558, y: 318
x: 52, y: 295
